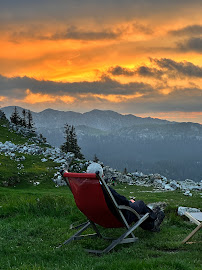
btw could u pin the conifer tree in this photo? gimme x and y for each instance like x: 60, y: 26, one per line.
x: 95, y: 159
x: 66, y: 145
x: 2, y: 115
x: 30, y: 123
x: 71, y: 144
x: 24, y: 114
x: 15, y: 117
x: 125, y: 171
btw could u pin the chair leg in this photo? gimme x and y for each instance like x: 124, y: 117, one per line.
x: 77, y: 234
x: 96, y: 229
x: 192, y: 233
x: 72, y: 226
x: 122, y: 239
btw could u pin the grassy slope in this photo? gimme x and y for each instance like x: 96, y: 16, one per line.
x: 35, y: 219
x: 34, y: 170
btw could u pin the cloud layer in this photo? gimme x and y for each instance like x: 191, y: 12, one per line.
x: 164, y: 67
x: 130, y: 56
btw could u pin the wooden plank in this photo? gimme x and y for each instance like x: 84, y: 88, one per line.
x: 193, y: 216
x: 192, y: 233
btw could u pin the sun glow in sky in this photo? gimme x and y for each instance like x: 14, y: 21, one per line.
x: 139, y: 57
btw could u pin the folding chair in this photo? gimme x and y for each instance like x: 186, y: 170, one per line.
x: 90, y: 199
x: 195, y: 217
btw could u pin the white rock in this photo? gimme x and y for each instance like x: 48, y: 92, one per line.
x: 181, y: 210
x: 168, y: 187
x: 187, y: 193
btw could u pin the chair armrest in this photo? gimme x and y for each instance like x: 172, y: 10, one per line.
x: 124, y: 207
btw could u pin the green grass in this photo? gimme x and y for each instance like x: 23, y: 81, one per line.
x: 34, y: 220
x: 33, y: 170
x: 9, y: 135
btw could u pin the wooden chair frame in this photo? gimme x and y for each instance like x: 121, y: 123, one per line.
x: 196, y: 221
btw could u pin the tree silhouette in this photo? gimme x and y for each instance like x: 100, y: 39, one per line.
x: 2, y: 115
x: 95, y: 159
x: 24, y: 114
x: 71, y: 144
x: 30, y: 123
x: 15, y: 117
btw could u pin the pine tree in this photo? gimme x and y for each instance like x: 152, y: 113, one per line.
x: 24, y: 114
x: 66, y: 146
x: 2, y: 115
x: 42, y: 138
x: 15, y: 117
x: 125, y: 171
x: 95, y: 159
x: 71, y: 144
x: 30, y: 123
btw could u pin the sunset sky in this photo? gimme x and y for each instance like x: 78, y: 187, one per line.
x: 134, y: 57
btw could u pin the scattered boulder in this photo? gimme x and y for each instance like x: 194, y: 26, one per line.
x: 181, y: 210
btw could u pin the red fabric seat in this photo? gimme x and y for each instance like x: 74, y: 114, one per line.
x: 90, y: 200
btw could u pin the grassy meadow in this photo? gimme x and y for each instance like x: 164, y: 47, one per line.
x: 34, y: 220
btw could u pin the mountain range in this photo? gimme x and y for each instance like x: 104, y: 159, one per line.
x: 127, y: 141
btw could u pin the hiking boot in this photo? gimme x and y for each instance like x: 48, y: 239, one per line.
x: 158, y: 221
x: 156, y: 209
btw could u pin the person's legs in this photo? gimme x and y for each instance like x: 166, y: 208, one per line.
x: 154, y: 220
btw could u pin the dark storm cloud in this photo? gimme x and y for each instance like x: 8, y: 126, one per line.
x: 140, y: 71
x: 9, y: 86
x: 118, y: 70
x: 192, y: 44
x: 190, y: 30
x: 166, y: 67
x: 149, y: 72
x: 173, y: 68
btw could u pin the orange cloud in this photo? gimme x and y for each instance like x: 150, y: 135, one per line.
x: 32, y: 98
x: 113, y: 98
x: 2, y: 98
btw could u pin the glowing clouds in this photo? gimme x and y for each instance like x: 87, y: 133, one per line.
x: 34, y: 98
x: 2, y: 98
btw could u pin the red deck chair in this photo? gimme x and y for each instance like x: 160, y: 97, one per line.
x: 89, y: 198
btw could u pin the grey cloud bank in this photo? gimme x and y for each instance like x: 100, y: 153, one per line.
x: 165, y: 66
x: 193, y: 44
x: 190, y: 30
x: 186, y: 99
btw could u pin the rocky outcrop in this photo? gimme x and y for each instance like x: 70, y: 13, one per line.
x: 55, y: 154
x: 159, y: 182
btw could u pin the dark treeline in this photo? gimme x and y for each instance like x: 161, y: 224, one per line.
x: 24, y: 120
